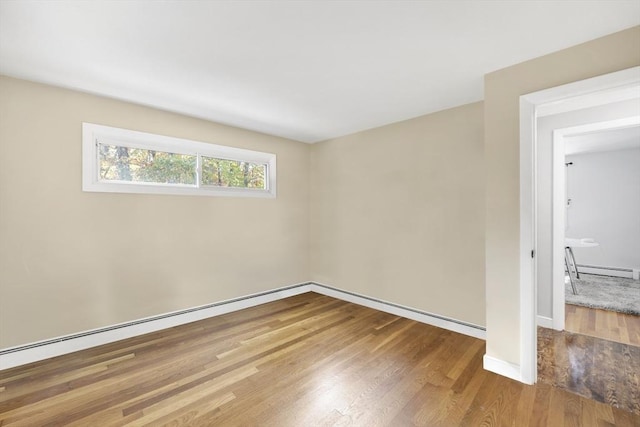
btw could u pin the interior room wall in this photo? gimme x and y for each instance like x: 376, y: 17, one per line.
x: 544, y: 168
x: 397, y: 213
x: 72, y: 261
x: 604, y: 188
x: 503, y: 89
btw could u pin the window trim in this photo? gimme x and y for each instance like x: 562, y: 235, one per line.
x: 93, y: 134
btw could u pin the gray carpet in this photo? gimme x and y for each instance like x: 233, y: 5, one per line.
x: 609, y: 293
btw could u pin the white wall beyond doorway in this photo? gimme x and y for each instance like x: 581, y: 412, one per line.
x: 604, y: 188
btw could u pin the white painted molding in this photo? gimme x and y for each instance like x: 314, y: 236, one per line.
x: 605, y: 89
x: 21, y: 355
x: 502, y: 367
x: 528, y: 242
x: 454, y: 325
x: 558, y: 227
x: 545, y: 322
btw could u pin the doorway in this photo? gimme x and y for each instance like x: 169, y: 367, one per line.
x: 552, y: 118
x: 589, y: 159
x: 622, y: 85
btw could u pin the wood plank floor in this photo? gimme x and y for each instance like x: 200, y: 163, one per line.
x: 597, y: 356
x: 308, y: 360
x: 599, y: 369
x: 608, y: 325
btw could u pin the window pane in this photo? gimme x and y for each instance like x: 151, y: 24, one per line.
x: 232, y: 173
x: 139, y: 165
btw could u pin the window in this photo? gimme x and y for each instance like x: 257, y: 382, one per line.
x: 126, y: 161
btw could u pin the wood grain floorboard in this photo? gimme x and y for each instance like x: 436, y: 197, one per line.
x: 308, y: 360
x: 608, y: 325
x: 595, y: 368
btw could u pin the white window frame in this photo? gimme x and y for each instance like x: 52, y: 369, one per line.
x: 93, y: 134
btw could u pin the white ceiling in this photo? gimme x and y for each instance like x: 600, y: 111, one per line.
x: 306, y: 70
x: 608, y: 140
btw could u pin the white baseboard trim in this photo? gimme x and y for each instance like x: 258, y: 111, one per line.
x: 403, y: 311
x: 502, y: 367
x: 21, y: 355
x: 545, y: 322
x: 606, y: 271
x: 34, y: 352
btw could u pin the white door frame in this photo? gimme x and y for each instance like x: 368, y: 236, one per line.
x: 582, y: 94
x: 559, y: 204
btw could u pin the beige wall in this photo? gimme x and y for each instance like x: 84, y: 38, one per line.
x: 397, y: 213
x: 501, y: 106
x: 72, y: 261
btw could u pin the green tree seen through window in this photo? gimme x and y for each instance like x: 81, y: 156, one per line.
x: 119, y: 163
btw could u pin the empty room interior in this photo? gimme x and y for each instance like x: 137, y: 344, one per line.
x: 273, y: 213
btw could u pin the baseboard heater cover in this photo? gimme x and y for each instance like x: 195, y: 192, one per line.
x: 464, y: 327
x: 33, y: 352
x: 46, y: 349
x: 630, y: 273
x: 142, y: 321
